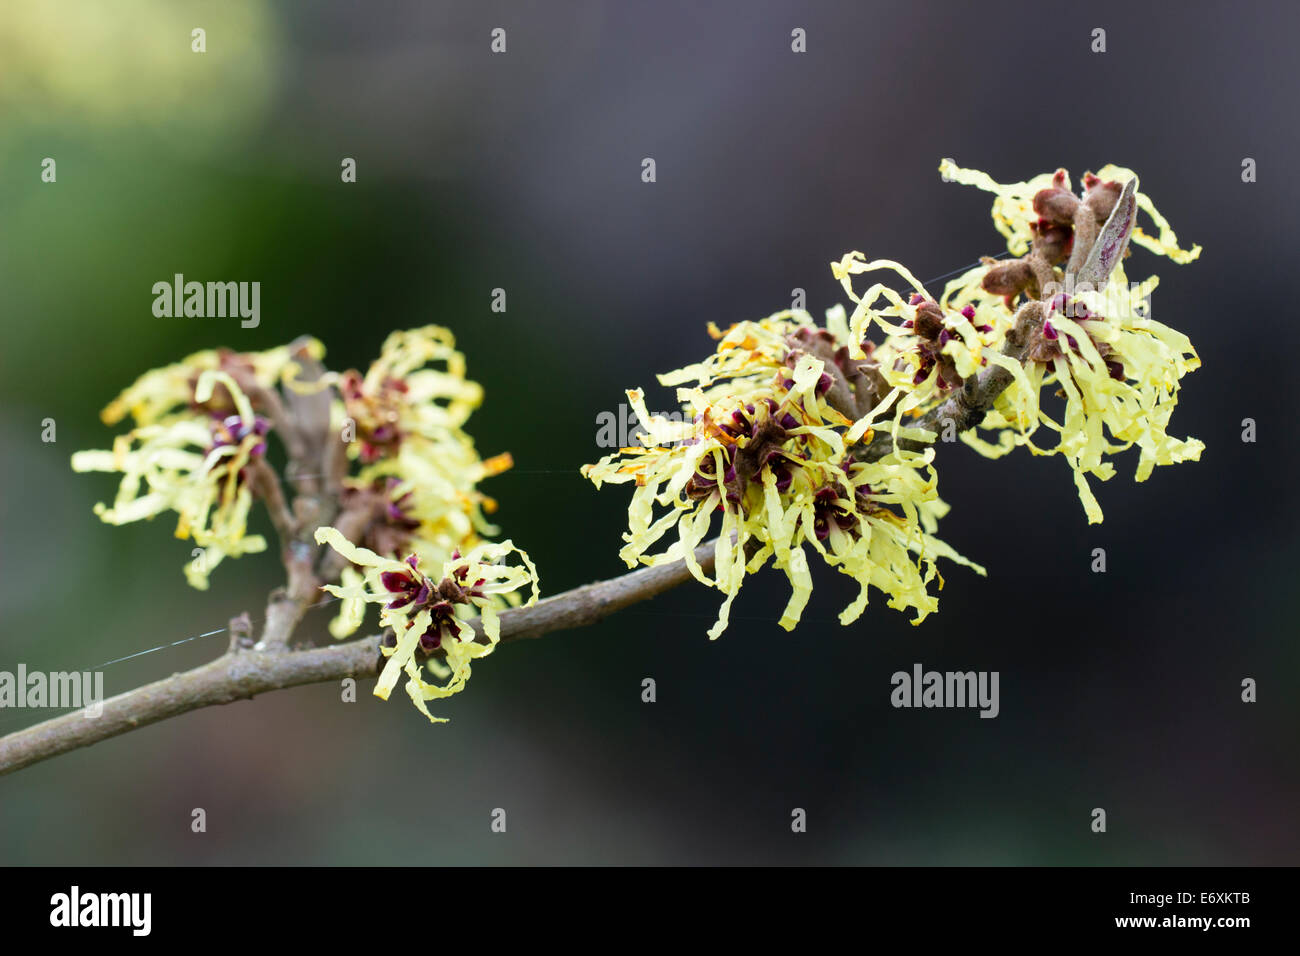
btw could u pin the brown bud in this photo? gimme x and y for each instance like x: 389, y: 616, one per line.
x: 1009, y: 279
x: 929, y: 320
x: 948, y: 372
x: 1101, y: 197
x: 1056, y: 205
x: 1041, y: 349
x: 449, y: 590
x: 1051, y: 241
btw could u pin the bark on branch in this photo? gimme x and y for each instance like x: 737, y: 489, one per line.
x: 242, y: 674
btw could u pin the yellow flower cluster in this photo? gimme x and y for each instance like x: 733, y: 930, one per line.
x: 432, y: 613
x: 198, y: 446
x: 1117, y: 369
x: 929, y: 348
x: 403, y: 422
x: 417, y: 479
x: 778, y: 448
x: 766, y: 454
x: 196, y: 434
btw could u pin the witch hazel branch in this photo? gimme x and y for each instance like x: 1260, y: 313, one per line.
x: 794, y: 440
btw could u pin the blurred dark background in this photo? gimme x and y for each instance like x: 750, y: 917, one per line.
x: 522, y: 171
